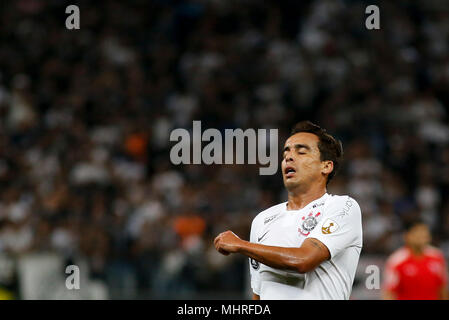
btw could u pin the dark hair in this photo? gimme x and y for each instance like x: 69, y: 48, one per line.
x: 412, y: 222
x: 330, y: 148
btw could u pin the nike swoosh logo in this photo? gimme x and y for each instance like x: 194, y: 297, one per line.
x: 260, y: 238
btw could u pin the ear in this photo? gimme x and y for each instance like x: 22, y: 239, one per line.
x: 327, y: 168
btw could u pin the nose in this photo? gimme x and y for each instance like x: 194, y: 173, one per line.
x: 288, y: 158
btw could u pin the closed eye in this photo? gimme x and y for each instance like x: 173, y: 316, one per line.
x: 284, y: 155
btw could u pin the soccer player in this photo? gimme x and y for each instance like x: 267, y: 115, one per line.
x: 416, y: 271
x: 309, y: 246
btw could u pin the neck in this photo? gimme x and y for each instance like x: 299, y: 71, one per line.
x: 298, y: 199
x: 416, y: 251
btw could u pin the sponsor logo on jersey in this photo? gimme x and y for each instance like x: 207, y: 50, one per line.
x: 308, y: 223
x: 347, y: 207
x: 316, y: 205
x: 270, y: 218
x: 329, y: 226
x: 254, y: 264
x: 260, y: 238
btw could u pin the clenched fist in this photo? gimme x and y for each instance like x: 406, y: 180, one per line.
x: 227, y: 242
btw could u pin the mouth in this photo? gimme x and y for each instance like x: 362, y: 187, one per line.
x: 289, y: 172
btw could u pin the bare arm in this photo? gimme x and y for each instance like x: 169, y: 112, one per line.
x: 303, y: 259
x: 444, y: 294
x: 256, y: 296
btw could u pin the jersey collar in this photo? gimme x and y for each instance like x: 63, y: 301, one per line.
x: 317, y: 202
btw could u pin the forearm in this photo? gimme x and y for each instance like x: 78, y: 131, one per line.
x: 275, y: 257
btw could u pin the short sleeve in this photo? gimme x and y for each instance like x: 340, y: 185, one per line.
x: 254, y: 265
x: 340, y: 227
x: 443, y: 274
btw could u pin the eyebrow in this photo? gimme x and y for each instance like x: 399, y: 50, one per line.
x: 297, y: 146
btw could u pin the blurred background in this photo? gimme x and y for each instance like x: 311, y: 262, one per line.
x: 85, y: 119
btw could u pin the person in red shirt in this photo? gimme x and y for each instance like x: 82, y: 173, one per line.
x: 418, y: 270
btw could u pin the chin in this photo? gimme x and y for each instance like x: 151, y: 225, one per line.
x: 290, y: 185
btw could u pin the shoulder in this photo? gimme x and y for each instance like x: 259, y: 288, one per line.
x: 342, y: 204
x: 398, y: 257
x: 434, y: 252
x: 273, y: 210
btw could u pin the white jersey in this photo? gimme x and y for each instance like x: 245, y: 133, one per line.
x: 335, y: 221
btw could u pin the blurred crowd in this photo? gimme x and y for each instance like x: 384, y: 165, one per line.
x: 86, y: 115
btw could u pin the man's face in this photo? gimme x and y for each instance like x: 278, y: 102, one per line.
x: 301, y: 164
x: 418, y: 236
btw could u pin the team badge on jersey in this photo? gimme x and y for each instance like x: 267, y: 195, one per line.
x: 308, y: 223
x: 329, y: 226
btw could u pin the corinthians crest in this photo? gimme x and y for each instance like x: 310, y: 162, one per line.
x: 308, y: 223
